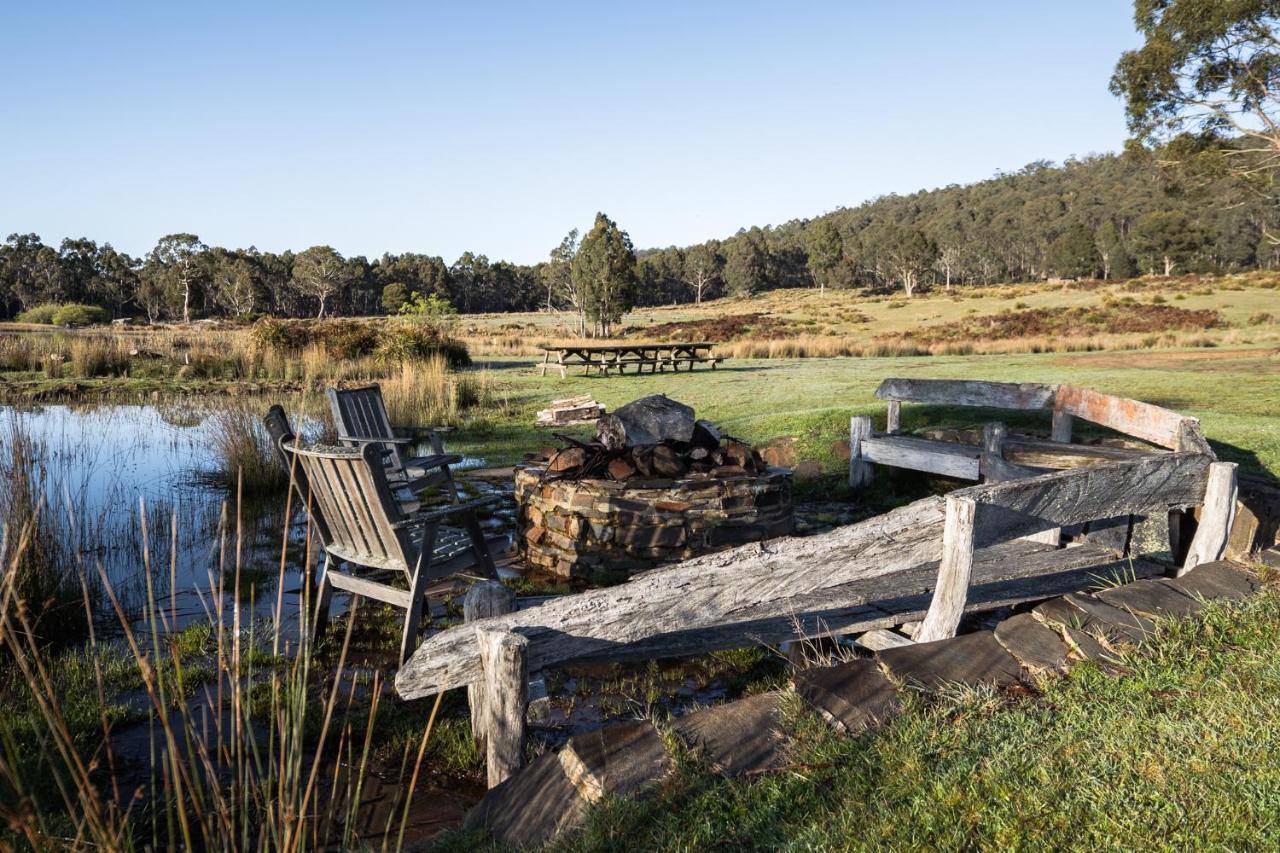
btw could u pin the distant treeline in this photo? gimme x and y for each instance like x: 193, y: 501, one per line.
x: 1108, y: 216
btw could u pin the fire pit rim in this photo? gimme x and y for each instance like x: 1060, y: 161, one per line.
x: 657, y: 482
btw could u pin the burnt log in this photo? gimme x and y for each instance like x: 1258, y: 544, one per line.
x: 667, y: 462
x: 567, y: 459
x: 649, y: 420
x: 621, y: 468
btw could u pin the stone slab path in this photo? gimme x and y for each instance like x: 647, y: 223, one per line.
x: 748, y: 736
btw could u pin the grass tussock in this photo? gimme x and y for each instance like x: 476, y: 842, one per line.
x: 431, y: 394
x: 243, y: 452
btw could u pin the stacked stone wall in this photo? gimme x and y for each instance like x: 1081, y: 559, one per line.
x: 580, y: 527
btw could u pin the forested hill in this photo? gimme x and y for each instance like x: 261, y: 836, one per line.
x: 1102, y: 216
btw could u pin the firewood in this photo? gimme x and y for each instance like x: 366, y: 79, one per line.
x: 737, y: 454
x: 729, y: 471
x: 697, y: 454
x: 621, y: 468
x: 566, y: 459
x: 667, y: 462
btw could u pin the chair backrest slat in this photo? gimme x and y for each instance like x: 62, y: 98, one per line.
x: 350, y: 489
x: 361, y: 413
x: 280, y: 431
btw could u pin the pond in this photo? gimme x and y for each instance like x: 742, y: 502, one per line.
x: 135, y: 487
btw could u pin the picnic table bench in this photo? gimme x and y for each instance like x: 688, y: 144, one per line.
x: 621, y: 357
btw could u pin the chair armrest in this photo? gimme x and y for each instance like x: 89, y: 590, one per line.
x: 352, y: 439
x: 416, y: 430
x: 432, y: 516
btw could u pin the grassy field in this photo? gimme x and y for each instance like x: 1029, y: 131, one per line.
x: 1234, y: 391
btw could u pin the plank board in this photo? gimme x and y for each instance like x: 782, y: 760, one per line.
x: 696, y: 605
x: 965, y: 392
x: 1152, y: 483
x: 1132, y: 417
x: 921, y: 454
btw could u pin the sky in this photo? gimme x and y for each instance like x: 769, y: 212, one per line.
x: 495, y: 127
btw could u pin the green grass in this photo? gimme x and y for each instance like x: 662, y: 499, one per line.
x: 1237, y: 397
x: 1178, y: 751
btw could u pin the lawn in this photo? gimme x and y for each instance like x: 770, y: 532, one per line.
x: 1234, y: 391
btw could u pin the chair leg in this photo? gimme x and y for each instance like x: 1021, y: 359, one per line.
x: 324, y: 597
x: 417, y: 594
x: 484, y: 560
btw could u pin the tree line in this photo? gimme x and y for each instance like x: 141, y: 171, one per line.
x: 1107, y: 216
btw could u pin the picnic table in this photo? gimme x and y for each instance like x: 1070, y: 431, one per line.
x: 656, y: 357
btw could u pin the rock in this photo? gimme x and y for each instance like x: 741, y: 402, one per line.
x: 850, y: 696
x: 840, y: 448
x: 649, y: 420
x: 528, y: 809
x: 807, y: 469
x: 1036, y: 646
x: 1151, y: 598
x: 616, y: 760
x: 1220, y: 579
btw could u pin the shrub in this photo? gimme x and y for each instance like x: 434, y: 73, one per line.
x: 79, y: 315
x: 401, y: 342
x: 42, y: 314
x: 1262, y: 318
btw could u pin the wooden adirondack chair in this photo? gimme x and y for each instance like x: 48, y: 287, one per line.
x: 361, y: 523
x: 360, y: 415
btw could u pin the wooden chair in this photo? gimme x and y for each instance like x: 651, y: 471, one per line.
x: 361, y: 523
x: 360, y: 416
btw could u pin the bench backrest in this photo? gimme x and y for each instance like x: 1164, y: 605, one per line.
x: 1146, y: 421
x: 349, y: 487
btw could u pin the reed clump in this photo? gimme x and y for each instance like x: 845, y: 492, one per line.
x: 243, y: 453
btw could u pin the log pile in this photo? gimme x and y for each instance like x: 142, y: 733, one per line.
x: 573, y: 410
x: 654, y: 437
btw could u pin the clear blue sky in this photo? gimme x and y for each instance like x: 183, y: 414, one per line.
x: 439, y: 128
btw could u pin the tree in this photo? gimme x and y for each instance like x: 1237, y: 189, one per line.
x: 319, y: 273
x: 604, y: 272
x: 1164, y: 237
x: 1116, y: 260
x: 1074, y: 254
x: 746, y: 263
x: 703, y: 265
x: 234, y: 282
x: 25, y: 268
x: 394, y: 297
x: 176, y: 264
x: 900, y: 252
x: 825, y: 248
x: 1206, y: 76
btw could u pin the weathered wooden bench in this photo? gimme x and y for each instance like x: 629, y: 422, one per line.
x: 1160, y: 427
x: 927, y: 563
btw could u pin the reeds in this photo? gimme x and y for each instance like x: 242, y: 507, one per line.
x: 244, y: 453
x: 254, y: 742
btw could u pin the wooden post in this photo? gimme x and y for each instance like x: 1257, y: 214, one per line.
x: 994, y: 435
x: 1210, y: 541
x: 484, y: 599
x: 893, y: 420
x: 1061, y: 431
x: 505, y: 685
x: 952, y: 589
x: 860, y: 471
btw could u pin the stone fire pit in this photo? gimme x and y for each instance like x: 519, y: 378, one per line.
x: 577, y: 527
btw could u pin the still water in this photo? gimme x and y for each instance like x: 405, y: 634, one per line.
x: 118, y: 477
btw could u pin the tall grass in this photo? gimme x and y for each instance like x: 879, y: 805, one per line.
x: 429, y: 393
x: 35, y: 554
x: 255, y: 740
x: 243, y: 451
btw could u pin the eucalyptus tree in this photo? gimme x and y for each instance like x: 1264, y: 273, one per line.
x: 825, y: 248
x: 604, y: 271
x: 235, y: 283
x: 746, y: 263
x: 703, y: 268
x: 1074, y: 253
x: 177, y: 270
x: 319, y: 273
x: 1206, y: 84
x: 1165, y: 239
x: 901, y: 253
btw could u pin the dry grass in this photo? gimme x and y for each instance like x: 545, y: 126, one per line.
x: 430, y: 394
x: 245, y: 457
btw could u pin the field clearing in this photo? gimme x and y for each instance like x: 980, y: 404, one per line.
x: 811, y: 400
